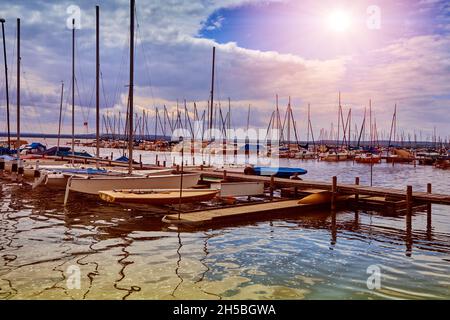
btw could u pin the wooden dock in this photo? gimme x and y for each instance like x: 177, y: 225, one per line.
x: 385, y: 200
x: 351, y: 189
x: 249, y: 211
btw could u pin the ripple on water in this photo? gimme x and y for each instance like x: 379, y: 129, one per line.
x: 128, y: 254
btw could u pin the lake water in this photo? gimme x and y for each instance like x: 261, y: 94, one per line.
x: 127, y: 254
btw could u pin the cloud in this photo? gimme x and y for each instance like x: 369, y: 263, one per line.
x: 174, y: 63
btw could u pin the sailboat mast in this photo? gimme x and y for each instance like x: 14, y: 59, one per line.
x: 97, y: 81
x: 60, y: 117
x: 339, y: 121
x: 73, y: 90
x: 131, y: 93
x: 211, y: 112
x: 18, y: 86
x: 289, y: 124
x: 370, y: 122
x: 309, y: 122
x: 6, y: 82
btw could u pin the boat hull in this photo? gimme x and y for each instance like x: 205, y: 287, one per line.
x: 157, y: 197
x: 93, y: 185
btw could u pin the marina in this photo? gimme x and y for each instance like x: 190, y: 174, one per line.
x: 266, y: 197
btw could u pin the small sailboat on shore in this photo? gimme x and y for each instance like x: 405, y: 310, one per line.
x: 158, y: 197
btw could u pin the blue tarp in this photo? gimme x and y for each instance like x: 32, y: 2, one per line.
x: 37, y: 145
x: 7, y: 158
x: 124, y: 159
x: 77, y: 154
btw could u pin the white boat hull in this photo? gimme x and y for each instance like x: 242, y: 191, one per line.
x: 93, y: 185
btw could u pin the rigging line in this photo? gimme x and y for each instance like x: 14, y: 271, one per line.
x: 33, y: 105
x: 82, y: 78
x: 120, y: 74
x: 66, y: 105
x: 104, y: 93
x: 79, y: 99
x: 146, y: 60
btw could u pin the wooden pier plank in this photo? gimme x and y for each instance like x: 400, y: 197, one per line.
x: 208, y: 216
x: 342, y: 188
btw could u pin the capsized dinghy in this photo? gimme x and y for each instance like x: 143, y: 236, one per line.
x: 157, y: 197
x: 279, y: 172
x: 321, y: 198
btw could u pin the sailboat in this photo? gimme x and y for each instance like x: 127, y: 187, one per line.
x: 158, y: 197
x: 88, y: 184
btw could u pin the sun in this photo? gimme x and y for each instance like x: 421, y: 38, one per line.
x: 339, y: 21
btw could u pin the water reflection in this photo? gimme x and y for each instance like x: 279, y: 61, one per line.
x: 131, y: 254
x: 177, y: 269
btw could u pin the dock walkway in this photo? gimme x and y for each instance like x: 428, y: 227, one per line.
x: 221, y: 214
x: 432, y: 198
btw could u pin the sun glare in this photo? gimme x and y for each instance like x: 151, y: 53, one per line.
x: 339, y: 21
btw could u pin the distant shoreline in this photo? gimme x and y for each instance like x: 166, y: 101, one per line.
x: 419, y: 144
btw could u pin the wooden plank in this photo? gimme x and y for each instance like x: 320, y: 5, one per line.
x: 341, y: 188
x: 209, y: 216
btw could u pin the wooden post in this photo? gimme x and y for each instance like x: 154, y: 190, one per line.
x: 178, y: 168
x: 409, y: 201
x: 2, y: 166
x: 429, y: 190
x: 201, y: 167
x: 112, y: 155
x: 156, y: 160
x: 164, y: 164
x: 224, y: 175
x: 272, y: 186
x: 333, y: 193
x: 357, y: 191
x: 371, y: 171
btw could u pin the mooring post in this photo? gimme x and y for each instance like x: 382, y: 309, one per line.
x: 201, y: 167
x: 20, y: 170
x: 429, y: 190
x: 14, y: 170
x: 409, y: 201
x: 224, y: 175
x: 2, y: 166
x: 272, y: 186
x: 140, y: 161
x: 178, y: 168
x: 112, y: 156
x: 156, y: 161
x: 357, y: 191
x: 164, y: 163
x: 333, y: 193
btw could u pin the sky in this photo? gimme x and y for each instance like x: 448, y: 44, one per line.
x: 389, y: 52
